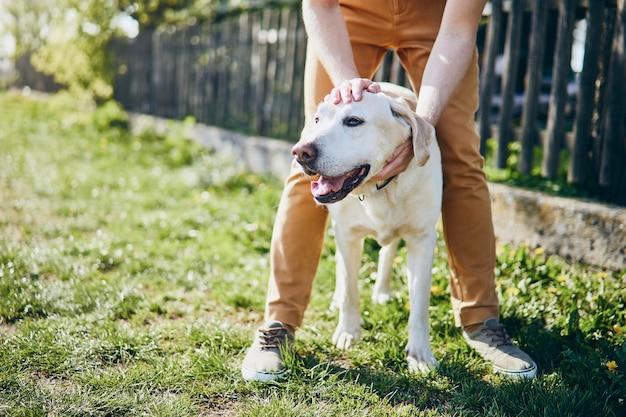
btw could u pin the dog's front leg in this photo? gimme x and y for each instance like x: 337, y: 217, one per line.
x: 420, y: 255
x: 348, y: 261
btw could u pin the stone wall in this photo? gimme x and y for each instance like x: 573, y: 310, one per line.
x: 587, y: 232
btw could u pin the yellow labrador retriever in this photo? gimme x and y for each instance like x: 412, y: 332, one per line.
x: 346, y: 146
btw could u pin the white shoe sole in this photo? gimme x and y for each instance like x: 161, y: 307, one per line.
x: 254, y: 375
x: 529, y: 373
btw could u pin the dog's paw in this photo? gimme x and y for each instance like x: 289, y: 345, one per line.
x: 420, y: 367
x: 344, y: 339
x: 421, y: 362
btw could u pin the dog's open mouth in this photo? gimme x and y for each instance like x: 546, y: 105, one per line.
x: 328, y: 190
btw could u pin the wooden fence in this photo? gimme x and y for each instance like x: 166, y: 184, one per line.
x: 242, y: 72
x: 595, y: 137
x: 245, y: 72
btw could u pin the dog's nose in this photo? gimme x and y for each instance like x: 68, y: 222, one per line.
x: 304, y: 153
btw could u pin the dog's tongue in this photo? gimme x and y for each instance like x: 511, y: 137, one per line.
x: 325, y: 185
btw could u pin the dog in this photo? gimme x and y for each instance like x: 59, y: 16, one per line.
x: 343, y: 148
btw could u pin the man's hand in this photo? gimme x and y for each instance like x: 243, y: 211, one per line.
x: 352, y: 90
x: 397, y: 162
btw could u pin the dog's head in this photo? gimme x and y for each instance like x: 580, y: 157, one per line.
x: 347, y: 144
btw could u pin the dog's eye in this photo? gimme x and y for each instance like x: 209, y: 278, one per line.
x: 352, y: 121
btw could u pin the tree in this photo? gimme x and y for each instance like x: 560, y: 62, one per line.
x: 26, y: 22
x: 70, y: 39
x: 76, y: 49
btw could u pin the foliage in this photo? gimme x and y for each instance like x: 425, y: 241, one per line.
x: 534, y: 180
x: 110, y: 115
x: 153, y: 13
x: 76, y: 51
x: 25, y: 21
x: 133, y: 271
x: 70, y: 39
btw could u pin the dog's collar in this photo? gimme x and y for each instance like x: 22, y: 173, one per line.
x: 379, y: 186
x: 383, y: 184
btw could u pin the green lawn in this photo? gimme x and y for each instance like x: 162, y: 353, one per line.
x: 133, y: 272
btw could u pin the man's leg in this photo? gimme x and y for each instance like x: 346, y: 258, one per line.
x: 297, y: 240
x: 300, y: 224
x: 468, y: 227
x: 466, y: 209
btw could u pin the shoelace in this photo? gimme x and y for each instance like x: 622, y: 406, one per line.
x: 272, y: 338
x: 498, y: 335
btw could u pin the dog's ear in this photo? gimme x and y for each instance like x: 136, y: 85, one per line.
x: 422, y: 131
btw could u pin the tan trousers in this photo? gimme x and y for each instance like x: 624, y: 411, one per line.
x: 409, y: 27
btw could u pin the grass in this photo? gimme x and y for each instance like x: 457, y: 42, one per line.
x: 133, y: 272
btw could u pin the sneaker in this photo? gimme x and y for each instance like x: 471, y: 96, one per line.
x: 264, y: 361
x: 493, y: 343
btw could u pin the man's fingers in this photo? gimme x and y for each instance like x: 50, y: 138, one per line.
x: 374, y: 88
x: 357, y: 85
x: 397, y: 162
x: 399, y: 150
x: 350, y: 90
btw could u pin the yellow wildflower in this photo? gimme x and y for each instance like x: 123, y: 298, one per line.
x: 539, y: 251
x: 611, y: 366
x: 436, y: 290
x: 562, y: 278
x: 617, y: 329
x: 512, y: 291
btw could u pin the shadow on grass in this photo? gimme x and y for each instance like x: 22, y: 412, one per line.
x: 572, y: 379
x: 391, y: 383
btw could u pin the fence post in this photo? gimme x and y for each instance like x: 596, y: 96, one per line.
x: 612, y: 171
x: 534, y: 77
x: 558, y: 95
x: 509, y: 78
x: 492, y: 46
x: 580, y: 162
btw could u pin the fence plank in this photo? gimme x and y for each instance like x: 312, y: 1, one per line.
x: 283, y: 74
x: 534, y: 78
x: 248, y: 50
x: 297, y: 84
x: 558, y: 95
x: 270, y: 70
x: 183, y: 91
x: 492, y: 47
x: 231, y: 65
x: 509, y: 78
x: 580, y: 162
x: 612, y: 170
x: 224, y: 44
